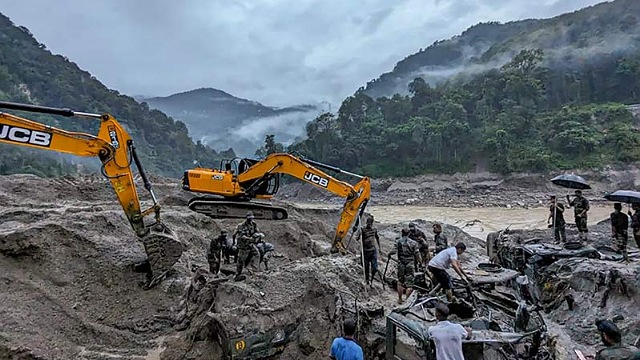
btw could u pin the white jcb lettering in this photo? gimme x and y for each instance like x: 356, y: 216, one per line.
x: 19, y: 134
x: 22, y: 135
x: 40, y: 138
x: 316, y: 179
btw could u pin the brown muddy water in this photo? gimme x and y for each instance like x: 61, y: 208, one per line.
x: 476, y: 222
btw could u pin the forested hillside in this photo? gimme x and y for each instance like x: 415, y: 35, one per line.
x: 570, y: 41
x: 30, y: 73
x: 521, y: 117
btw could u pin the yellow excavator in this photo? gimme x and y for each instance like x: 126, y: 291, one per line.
x: 239, y: 181
x: 114, y: 147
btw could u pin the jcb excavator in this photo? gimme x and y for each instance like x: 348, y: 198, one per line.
x: 115, y: 148
x: 239, y: 181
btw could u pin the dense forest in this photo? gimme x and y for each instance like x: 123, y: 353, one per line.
x: 521, y: 117
x: 30, y: 73
x: 568, y: 39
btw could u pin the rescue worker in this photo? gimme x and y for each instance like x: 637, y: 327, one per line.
x: 346, y: 347
x: 247, y: 249
x: 612, y: 338
x: 439, y: 238
x: 408, y: 255
x: 440, y: 263
x: 580, y: 208
x: 229, y: 249
x: 214, y: 252
x: 368, y: 234
x: 619, y: 230
x: 418, y: 236
x: 556, y: 218
x: 448, y: 336
x: 635, y: 222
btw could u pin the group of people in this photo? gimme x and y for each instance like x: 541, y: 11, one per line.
x: 243, y: 246
x: 414, y: 253
x: 448, y: 336
x: 619, y: 221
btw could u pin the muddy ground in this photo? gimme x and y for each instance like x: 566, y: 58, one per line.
x: 68, y: 290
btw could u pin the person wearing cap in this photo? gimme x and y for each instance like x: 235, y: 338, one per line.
x: 214, y: 252
x: 556, y: 217
x: 418, y: 236
x: 612, y: 338
x: 447, y: 336
x: 619, y: 230
x: 440, y: 263
x: 369, y: 237
x: 246, y: 240
x: 580, y: 208
x: 439, y: 238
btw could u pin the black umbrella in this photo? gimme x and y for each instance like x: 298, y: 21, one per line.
x: 571, y: 181
x: 624, y: 196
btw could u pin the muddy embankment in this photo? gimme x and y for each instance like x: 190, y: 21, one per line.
x: 68, y: 290
x: 474, y: 189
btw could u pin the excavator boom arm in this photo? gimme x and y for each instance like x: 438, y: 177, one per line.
x: 115, y: 154
x: 116, y: 151
x: 357, y: 195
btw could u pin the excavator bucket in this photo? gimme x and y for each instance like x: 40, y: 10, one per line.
x: 163, y: 250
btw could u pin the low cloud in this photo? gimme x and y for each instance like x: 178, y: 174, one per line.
x: 277, y: 52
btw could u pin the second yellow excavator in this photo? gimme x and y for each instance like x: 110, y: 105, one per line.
x: 238, y: 181
x: 114, y: 147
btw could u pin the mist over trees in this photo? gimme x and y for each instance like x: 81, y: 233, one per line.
x: 520, y: 117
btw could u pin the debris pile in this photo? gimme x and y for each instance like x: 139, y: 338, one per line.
x: 574, y: 283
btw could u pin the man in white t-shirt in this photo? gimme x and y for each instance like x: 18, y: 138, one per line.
x: 447, y: 336
x: 442, y: 261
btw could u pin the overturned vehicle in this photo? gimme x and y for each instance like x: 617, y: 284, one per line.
x: 504, y: 325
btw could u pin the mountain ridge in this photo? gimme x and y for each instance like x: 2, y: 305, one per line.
x: 222, y: 120
x: 492, y: 44
x: 30, y: 73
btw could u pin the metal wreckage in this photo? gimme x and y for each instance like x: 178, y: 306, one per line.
x: 503, y: 305
x: 504, y: 324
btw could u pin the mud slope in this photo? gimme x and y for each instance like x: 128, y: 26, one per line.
x: 67, y: 289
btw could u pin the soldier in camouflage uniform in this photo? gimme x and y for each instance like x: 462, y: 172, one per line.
x: 214, y: 252
x: 418, y: 236
x: 556, y: 216
x: 580, y: 207
x: 612, y: 339
x: 635, y: 223
x: 408, y: 255
x: 370, y: 238
x: 619, y: 230
x: 439, y: 238
x: 247, y: 249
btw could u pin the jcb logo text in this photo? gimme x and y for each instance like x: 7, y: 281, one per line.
x: 316, y: 179
x: 25, y: 136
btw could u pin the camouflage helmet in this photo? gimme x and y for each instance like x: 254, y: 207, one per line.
x: 250, y: 215
x: 412, y: 225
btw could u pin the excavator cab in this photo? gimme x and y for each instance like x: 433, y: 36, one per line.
x: 232, y: 188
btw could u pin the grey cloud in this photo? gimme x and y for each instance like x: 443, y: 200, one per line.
x: 276, y: 52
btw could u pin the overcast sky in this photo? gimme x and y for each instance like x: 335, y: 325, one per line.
x: 274, y: 51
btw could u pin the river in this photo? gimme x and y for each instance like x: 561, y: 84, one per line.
x: 477, y: 222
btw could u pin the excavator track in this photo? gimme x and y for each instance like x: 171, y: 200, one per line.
x: 219, y: 208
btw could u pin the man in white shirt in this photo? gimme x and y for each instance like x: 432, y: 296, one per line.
x: 442, y: 261
x: 448, y: 336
